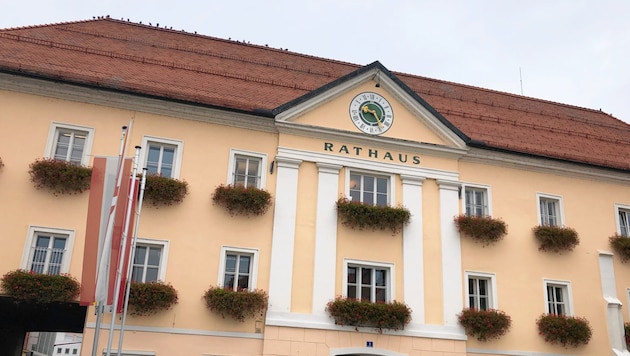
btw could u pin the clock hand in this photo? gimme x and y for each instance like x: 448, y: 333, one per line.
x: 366, y: 109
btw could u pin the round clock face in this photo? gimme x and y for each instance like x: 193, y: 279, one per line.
x: 371, y: 113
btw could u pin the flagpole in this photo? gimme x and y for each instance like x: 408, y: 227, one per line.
x: 100, y: 306
x: 123, y: 250
x: 131, y: 256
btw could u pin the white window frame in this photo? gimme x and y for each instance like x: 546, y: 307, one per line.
x: 52, y: 135
x: 177, y: 159
x: 568, y: 294
x: 263, y: 165
x: 27, y: 256
x: 560, y: 208
x: 625, y: 208
x: 493, y: 299
x: 391, y: 195
x: 488, y: 197
x: 253, y: 276
x: 164, y: 244
x: 628, y: 298
x: 391, y: 289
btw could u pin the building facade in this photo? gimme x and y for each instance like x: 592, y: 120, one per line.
x: 310, y: 131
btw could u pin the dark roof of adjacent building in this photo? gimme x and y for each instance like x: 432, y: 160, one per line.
x: 232, y: 75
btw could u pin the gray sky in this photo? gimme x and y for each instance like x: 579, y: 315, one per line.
x: 570, y: 51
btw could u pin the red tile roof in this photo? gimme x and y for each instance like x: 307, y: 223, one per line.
x: 237, y: 76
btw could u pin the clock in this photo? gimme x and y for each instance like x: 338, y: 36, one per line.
x: 371, y: 113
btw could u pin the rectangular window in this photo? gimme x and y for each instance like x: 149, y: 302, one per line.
x: 369, y: 189
x: 481, y: 290
x: 69, y: 143
x: 370, y: 281
x: 558, y: 297
x: 550, y: 210
x: 47, y: 250
x: 162, y: 156
x: 149, y: 261
x: 624, y: 223
x: 476, y: 201
x: 247, y: 169
x: 238, y: 269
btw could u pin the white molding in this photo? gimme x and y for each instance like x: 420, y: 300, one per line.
x: 262, y: 184
x: 413, y: 249
x: 494, y: 299
x: 309, y: 321
x: 52, y: 135
x: 283, y: 235
x: 324, y: 272
x: 365, y: 164
x: 25, y: 263
x: 253, y: 277
x: 163, y: 260
x: 126, y: 101
x: 363, y: 351
x: 179, y: 331
x: 391, y: 288
x: 451, y: 253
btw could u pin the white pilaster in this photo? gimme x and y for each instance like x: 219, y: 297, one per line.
x: 613, y: 304
x: 451, y: 252
x: 283, y: 238
x: 325, y: 237
x: 413, y: 263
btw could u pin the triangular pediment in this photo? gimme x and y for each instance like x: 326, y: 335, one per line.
x: 371, y: 103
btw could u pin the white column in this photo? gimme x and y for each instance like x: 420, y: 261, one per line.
x: 613, y: 304
x: 451, y: 252
x: 325, y: 237
x: 283, y: 238
x: 413, y: 263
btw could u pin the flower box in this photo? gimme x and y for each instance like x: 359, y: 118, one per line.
x: 485, y: 324
x: 150, y: 298
x: 565, y: 330
x: 239, y: 304
x: 60, y: 177
x: 626, y: 328
x: 40, y: 288
x: 556, y: 238
x: 240, y: 200
x: 361, y: 313
x: 621, y: 245
x: 160, y: 191
x: 483, y: 229
x: 361, y: 216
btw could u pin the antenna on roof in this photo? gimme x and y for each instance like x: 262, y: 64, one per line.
x: 520, y: 73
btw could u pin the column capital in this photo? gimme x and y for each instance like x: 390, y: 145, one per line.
x: 286, y: 162
x: 328, y: 168
x: 449, y: 184
x: 411, y: 180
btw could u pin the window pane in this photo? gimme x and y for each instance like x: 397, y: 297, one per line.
x: 368, y: 184
x: 483, y: 303
x: 230, y: 263
x: 228, y: 281
x: 355, y: 195
x: 152, y: 274
x: 380, y: 277
x: 366, y: 276
x: 154, y: 256
x: 483, y: 287
x: 352, y: 292
x: 366, y: 293
x: 352, y: 275
x: 368, y: 198
x: 471, y: 286
x: 381, y: 295
x: 243, y: 266
x: 136, y: 274
x: 140, y: 256
x: 59, y: 243
x: 381, y: 185
x: 381, y: 199
x: 243, y: 282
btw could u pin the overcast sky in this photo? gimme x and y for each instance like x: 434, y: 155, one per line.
x: 575, y: 52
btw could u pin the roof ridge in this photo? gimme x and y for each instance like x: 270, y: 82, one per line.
x: 199, y: 51
x: 145, y: 60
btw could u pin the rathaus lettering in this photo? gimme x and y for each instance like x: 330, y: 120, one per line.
x: 372, y: 153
